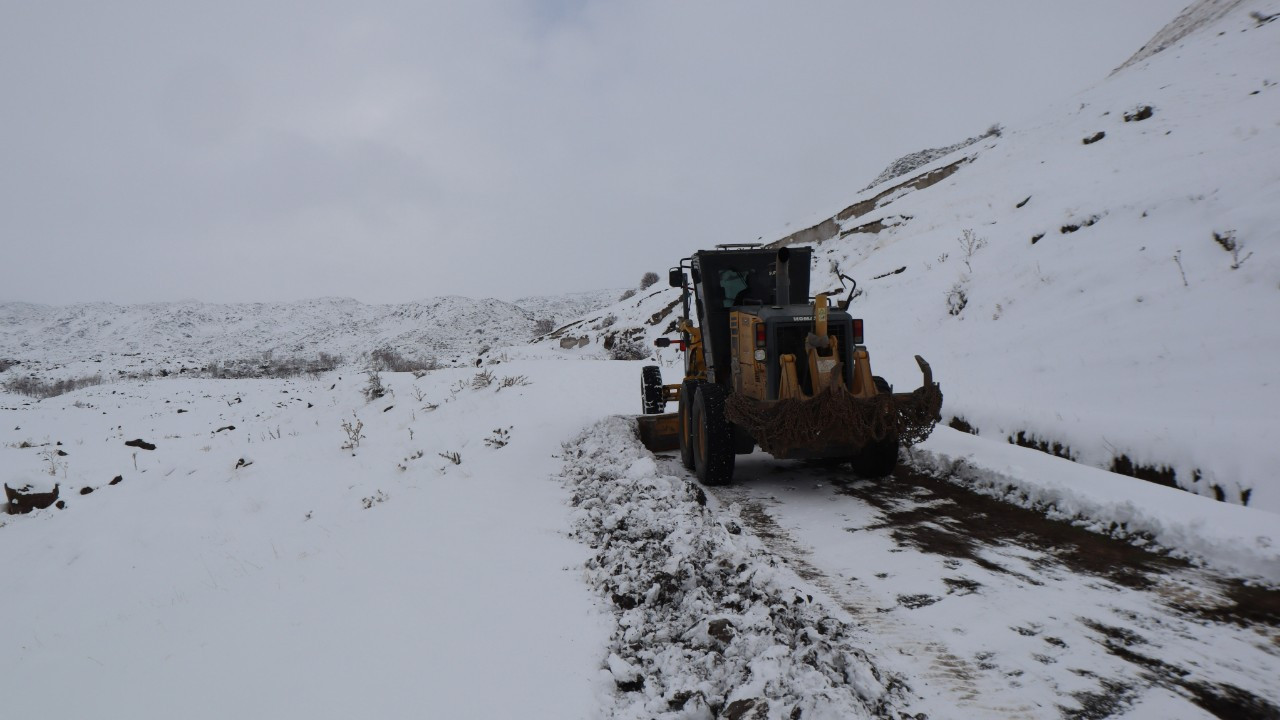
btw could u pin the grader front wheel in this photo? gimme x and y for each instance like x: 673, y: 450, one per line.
x: 651, y: 389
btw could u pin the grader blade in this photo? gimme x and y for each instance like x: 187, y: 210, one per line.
x: 660, y: 433
x: 837, y: 420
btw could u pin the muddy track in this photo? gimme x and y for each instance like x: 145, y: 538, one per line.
x: 999, y: 612
x: 945, y: 668
x: 967, y: 521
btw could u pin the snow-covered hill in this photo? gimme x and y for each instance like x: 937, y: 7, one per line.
x: 1103, y: 277
x: 560, y: 309
x: 172, y: 335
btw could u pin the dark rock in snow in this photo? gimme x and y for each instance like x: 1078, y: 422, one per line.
x: 722, y: 630
x: 699, y: 495
x: 915, y: 602
x: 631, y: 686
x: 142, y: 444
x: 21, y: 501
x: 1072, y: 227
x: 1094, y: 138
x: 1138, y: 115
x: 738, y: 709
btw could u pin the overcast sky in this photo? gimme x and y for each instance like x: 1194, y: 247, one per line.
x: 392, y: 151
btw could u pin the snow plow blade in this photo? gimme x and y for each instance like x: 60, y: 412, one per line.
x: 660, y: 433
x: 836, y: 422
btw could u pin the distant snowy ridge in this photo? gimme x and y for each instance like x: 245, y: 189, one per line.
x: 1195, y: 16
x: 560, y: 309
x: 914, y: 161
x: 337, y: 326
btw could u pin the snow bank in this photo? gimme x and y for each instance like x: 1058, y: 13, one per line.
x: 707, y: 625
x: 1239, y: 540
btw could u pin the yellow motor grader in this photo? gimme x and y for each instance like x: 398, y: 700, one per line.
x: 760, y: 370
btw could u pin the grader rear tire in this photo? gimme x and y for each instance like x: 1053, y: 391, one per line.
x: 688, y: 389
x: 713, y: 455
x: 877, y: 459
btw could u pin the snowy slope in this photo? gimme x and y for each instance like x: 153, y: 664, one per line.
x: 1194, y: 17
x: 1102, y: 307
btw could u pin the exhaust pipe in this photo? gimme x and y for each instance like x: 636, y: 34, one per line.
x: 782, y: 276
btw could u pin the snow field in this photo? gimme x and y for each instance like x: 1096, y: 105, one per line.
x: 309, y: 581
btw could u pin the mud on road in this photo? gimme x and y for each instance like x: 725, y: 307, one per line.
x: 996, y: 611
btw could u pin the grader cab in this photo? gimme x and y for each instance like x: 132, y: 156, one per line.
x: 793, y: 378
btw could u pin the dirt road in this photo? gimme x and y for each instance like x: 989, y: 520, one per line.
x: 990, y: 610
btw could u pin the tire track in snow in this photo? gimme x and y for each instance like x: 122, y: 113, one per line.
x: 708, y: 624
x: 1056, y: 621
x: 947, y: 670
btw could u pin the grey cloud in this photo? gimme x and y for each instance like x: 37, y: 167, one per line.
x: 395, y: 150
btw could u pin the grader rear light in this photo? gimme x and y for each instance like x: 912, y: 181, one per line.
x: 857, y: 331
x: 759, y: 335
